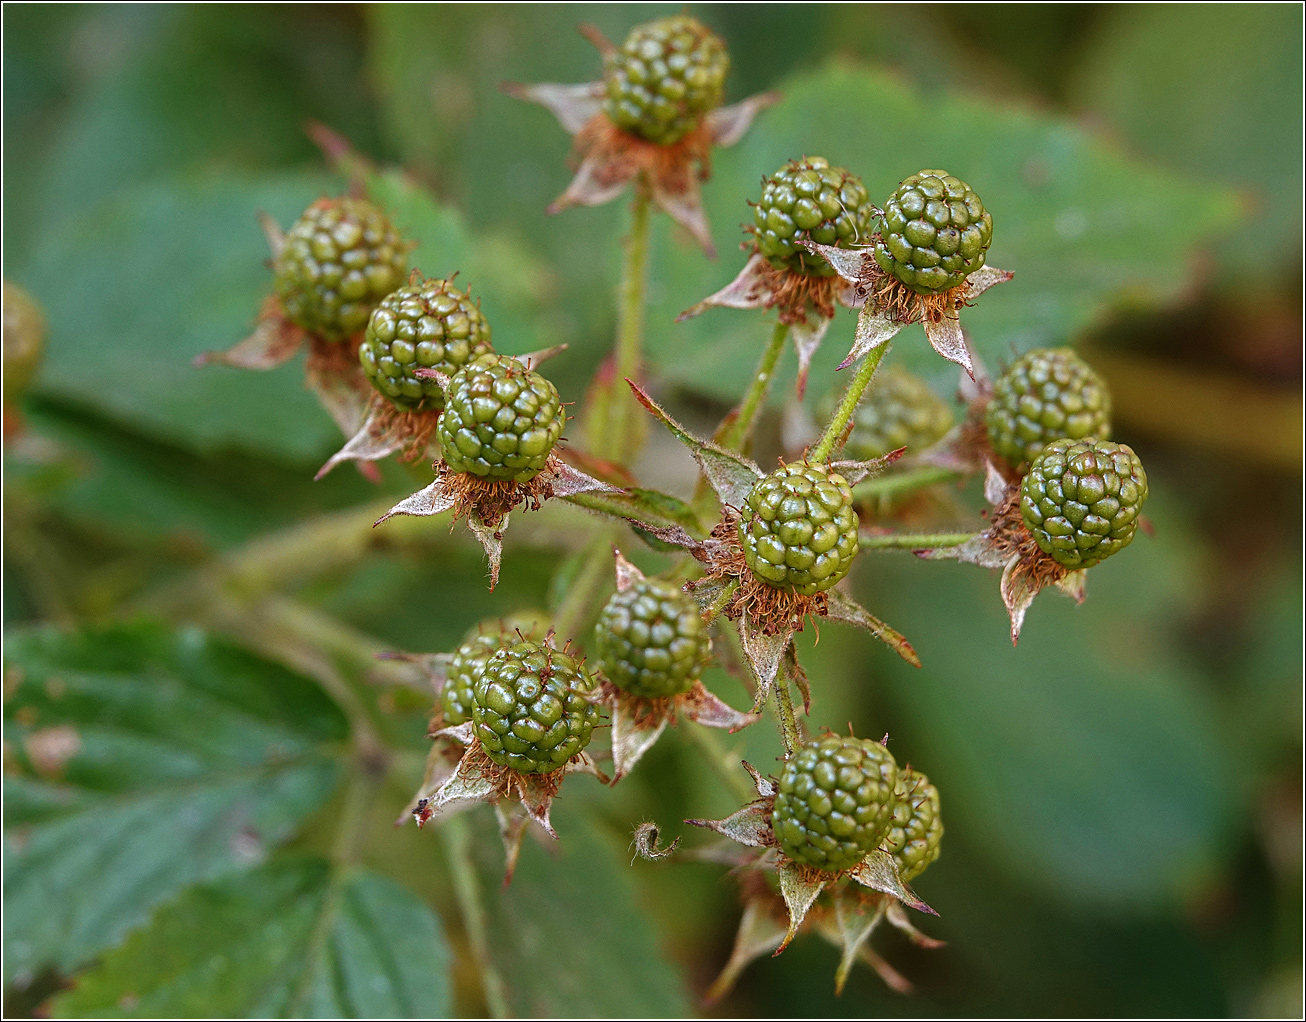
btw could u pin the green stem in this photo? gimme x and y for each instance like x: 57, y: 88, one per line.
x: 896, y: 483
x: 724, y: 764
x: 790, y: 732
x: 913, y: 541
x: 736, y: 437
x: 834, y: 432
x: 714, y: 608
x: 577, y: 604
x: 628, y: 350
x: 457, y: 843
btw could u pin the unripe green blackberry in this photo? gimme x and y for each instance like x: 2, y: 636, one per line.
x: 917, y: 828
x: 1047, y: 394
x: 530, y: 709
x: 834, y: 801
x: 934, y: 233
x: 664, y: 78
x: 431, y: 325
x: 798, y: 529
x: 898, y: 410
x: 339, y: 260
x: 500, y: 420
x: 470, y: 658
x: 808, y: 200
x: 1081, y: 499
x: 651, y: 639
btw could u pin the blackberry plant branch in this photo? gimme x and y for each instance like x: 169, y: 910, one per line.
x: 835, y: 431
x: 724, y: 763
x: 913, y: 541
x: 737, y: 434
x: 456, y: 838
x: 621, y: 441
x: 790, y: 731
x: 895, y: 484
x: 583, y: 594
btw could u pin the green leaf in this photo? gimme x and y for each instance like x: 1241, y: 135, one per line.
x: 163, y: 273
x: 291, y: 939
x: 1084, y: 228
x: 1088, y: 762
x: 1226, y: 106
x: 144, y: 761
x: 567, y: 935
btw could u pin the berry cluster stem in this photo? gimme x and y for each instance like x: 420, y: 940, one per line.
x: 898, y: 483
x: 790, y: 731
x: 578, y: 602
x: 736, y: 436
x: 834, y: 432
x: 913, y: 541
x: 628, y: 352
x: 467, y: 889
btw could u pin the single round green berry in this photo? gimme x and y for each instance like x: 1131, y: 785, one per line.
x: 808, y: 200
x: 431, y: 325
x: 469, y: 660
x: 500, y: 420
x: 898, y: 410
x: 934, y: 232
x: 917, y: 828
x: 1081, y: 499
x: 651, y: 639
x: 1047, y: 394
x: 339, y: 260
x: 664, y: 78
x: 798, y: 529
x: 24, y: 341
x: 834, y: 802
x: 530, y: 710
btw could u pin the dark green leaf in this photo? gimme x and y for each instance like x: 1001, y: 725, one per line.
x: 567, y: 935
x: 1224, y: 106
x: 289, y: 940
x: 146, y: 760
x: 1083, y: 227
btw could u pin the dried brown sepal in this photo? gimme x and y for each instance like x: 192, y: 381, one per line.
x: 646, y: 845
x: 761, y: 930
x: 387, y: 430
x: 274, y: 342
x: 1009, y: 545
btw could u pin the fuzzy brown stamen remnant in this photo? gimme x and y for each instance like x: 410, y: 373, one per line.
x: 1010, y: 537
x: 624, y: 155
x: 491, y: 499
x: 414, y: 429
x: 644, y: 712
x: 795, y: 295
x: 903, y: 305
x: 772, y: 610
x: 334, y: 358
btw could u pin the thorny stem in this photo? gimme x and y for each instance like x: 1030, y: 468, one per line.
x: 736, y: 437
x: 628, y: 351
x: 847, y: 405
x: 913, y: 541
x: 467, y: 889
x: 893, y: 484
x: 790, y: 733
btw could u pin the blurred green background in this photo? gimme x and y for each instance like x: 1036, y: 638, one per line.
x: 1122, y: 791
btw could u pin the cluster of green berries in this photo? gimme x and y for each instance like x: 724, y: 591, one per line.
x: 1045, y: 395
x: 468, y: 661
x: 1081, y: 499
x: 934, y: 233
x: 651, y: 640
x: 916, y: 831
x: 500, y: 420
x: 898, y: 410
x: 798, y: 529
x: 431, y: 325
x: 338, y: 261
x: 531, y: 709
x: 664, y: 78
x: 840, y: 798
x: 808, y: 200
